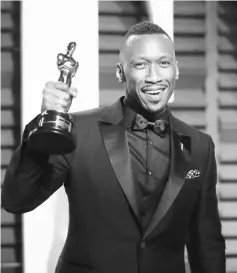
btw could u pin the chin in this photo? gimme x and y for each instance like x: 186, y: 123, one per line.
x: 156, y: 108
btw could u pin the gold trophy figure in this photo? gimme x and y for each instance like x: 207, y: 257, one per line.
x: 67, y: 65
x: 53, y: 134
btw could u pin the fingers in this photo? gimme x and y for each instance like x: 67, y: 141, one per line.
x: 57, y: 96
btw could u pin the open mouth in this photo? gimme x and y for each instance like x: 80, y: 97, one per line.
x: 153, y: 90
x: 153, y: 94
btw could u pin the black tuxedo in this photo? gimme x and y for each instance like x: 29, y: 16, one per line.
x: 104, y: 233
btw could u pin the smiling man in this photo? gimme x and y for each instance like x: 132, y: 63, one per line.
x: 141, y: 184
x: 148, y: 68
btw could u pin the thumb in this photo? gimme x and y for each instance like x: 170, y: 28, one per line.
x: 73, y: 91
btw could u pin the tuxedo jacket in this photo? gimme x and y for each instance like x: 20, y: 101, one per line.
x: 105, y: 234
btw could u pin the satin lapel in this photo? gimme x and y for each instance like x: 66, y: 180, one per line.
x: 179, y: 165
x: 116, y: 144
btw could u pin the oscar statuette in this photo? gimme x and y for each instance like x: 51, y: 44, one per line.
x: 53, y: 134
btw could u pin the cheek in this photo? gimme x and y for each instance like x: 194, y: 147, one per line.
x: 169, y: 75
x: 135, y: 79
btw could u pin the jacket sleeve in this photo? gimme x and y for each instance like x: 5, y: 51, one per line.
x: 206, y: 245
x: 32, y: 177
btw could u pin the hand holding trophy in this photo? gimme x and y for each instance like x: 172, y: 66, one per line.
x: 53, y: 134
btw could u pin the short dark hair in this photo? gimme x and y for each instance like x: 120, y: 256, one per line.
x: 142, y: 28
x: 145, y: 27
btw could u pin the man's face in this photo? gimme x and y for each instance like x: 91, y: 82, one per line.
x: 150, y: 69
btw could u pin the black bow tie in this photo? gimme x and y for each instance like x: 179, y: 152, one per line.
x: 160, y: 127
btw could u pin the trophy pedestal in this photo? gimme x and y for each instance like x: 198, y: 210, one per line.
x: 53, y: 134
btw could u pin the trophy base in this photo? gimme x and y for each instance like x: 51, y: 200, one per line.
x: 52, y: 141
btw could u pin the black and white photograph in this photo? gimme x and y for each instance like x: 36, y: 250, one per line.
x: 118, y: 136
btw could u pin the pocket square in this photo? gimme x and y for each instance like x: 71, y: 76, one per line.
x: 192, y: 174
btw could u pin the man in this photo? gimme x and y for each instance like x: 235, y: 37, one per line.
x: 140, y: 184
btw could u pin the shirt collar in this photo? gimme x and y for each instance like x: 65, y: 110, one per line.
x: 113, y: 114
x: 129, y: 114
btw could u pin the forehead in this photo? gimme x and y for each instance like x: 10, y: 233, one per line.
x: 153, y: 45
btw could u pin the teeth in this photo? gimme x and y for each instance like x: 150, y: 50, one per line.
x: 153, y: 92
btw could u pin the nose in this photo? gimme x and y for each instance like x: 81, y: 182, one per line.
x: 153, y: 74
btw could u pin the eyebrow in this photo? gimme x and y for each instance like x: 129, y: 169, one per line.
x: 147, y: 59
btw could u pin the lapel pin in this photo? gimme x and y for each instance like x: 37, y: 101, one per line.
x: 181, y: 146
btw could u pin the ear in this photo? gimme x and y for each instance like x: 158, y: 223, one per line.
x: 119, y: 73
x: 177, y: 71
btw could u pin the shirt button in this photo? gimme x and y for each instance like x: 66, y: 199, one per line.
x: 150, y: 142
x: 143, y: 245
x: 149, y: 173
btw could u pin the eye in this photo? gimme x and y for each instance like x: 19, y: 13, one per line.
x: 165, y: 63
x: 140, y: 65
